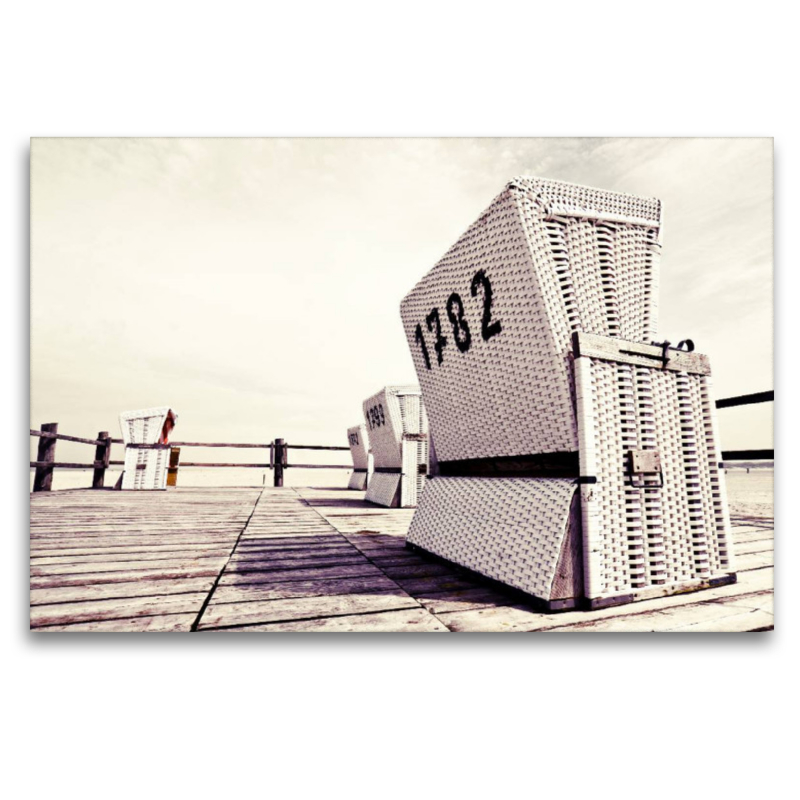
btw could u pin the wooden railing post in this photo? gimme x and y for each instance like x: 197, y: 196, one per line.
x: 174, y: 461
x: 280, y: 462
x: 102, y: 454
x: 43, y: 477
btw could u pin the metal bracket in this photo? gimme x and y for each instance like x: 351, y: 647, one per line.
x: 644, y: 465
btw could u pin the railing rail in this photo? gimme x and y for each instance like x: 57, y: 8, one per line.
x: 747, y: 400
x: 45, y: 461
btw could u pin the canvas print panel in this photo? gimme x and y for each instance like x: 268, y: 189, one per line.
x: 527, y: 389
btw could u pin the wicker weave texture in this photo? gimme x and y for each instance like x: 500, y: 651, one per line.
x: 508, y: 529
x: 397, y: 427
x: 143, y: 426
x: 384, y: 489
x: 489, y: 326
x: 358, y: 480
x: 145, y: 469
x: 384, y: 423
x: 635, y: 538
x: 358, y: 439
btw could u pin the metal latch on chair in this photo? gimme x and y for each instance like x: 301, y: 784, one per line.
x: 644, y: 465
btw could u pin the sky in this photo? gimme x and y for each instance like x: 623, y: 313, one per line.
x: 254, y: 284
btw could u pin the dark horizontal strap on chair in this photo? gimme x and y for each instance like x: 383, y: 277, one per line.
x: 415, y: 437
x: 543, y: 465
x: 358, y: 470
x: 150, y: 446
x: 388, y: 470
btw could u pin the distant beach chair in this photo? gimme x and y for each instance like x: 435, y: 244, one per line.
x: 146, y: 467
x: 576, y: 460
x: 358, y: 438
x: 398, y: 435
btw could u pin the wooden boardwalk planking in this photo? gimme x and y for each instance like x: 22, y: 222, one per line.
x: 300, y: 560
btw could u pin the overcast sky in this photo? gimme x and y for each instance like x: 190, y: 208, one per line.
x: 254, y: 284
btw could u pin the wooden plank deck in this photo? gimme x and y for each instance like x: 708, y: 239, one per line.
x: 228, y: 560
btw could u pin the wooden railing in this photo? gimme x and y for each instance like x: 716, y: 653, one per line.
x: 747, y: 400
x: 278, y: 451
x: 278, y: 456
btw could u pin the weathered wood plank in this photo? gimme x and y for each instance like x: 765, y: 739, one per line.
x: 228, y: 614
x: 745, y: 548
x: 427, y: 569
x: 251, y: 544
x: 404, y: 558
x: 172, y: 556
x: 437, y: 583
x: 333, y: 553
x: 215, y: 562
x: 164, y: 623
x: 88, y: 579
x: 246, y: 593
x: 115, y: 608
x: 113, y: 550
x: 307, y: 574
x: 409, y: 621
x: 754, y: 561
x: 463, y: 599
x: 264, y: 565
x: 106, y: 591
x: 639, y: 354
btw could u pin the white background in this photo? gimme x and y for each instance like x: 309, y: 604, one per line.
x: 607, y: 716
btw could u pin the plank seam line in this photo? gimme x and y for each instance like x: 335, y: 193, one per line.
x: 377, y: 566
x: 204, y: 606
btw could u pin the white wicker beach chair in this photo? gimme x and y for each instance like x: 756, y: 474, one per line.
x: 145, y: 468
x: 490, y: 328
x: 358, y: 438
x: 398, y: 436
